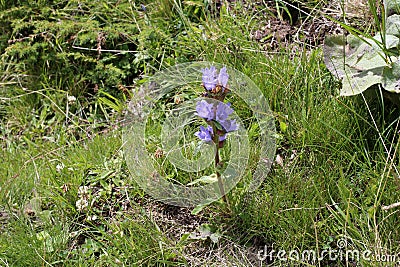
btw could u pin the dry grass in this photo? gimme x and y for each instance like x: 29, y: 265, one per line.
x: 353, y: 12
x: 356, y: 8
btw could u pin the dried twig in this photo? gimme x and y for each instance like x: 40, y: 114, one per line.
x: 105, y: 50
x: 394, y: 205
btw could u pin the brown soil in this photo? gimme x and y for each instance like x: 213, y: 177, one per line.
x: 276, y: 29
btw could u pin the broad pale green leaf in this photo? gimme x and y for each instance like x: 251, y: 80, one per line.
x: 393, y: 25
x: 391, y: 78
x: 369, y: 55
x: 366, y: 57
x: 361, y: 62
x: 357, y: 54
x: 392, y: 6
x: 356, y: 82
x: 391, y: 41
x: 334, y: 52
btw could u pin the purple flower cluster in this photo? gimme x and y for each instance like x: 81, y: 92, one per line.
x: 215, y: 114
x: 206, y: 134
x: 218, y: 113
x: 212, y: 80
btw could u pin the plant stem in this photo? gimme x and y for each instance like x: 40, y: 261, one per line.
x: 217, y: 161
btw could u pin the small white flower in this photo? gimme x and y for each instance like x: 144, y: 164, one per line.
x: 279, y: 160
x: 60, y: 167
x: 92, y: 218
x: 71, y: 99
x: 83, y: 191
x: 81, y: 204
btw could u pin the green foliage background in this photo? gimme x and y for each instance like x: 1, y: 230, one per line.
x: 95, y: 51
x: 85, y: 46
x: 67, y: 69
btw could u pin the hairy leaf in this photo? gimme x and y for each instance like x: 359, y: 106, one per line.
x: 391, y: 77
x: 393, y: 25
x: 357, y: 82
x: 392, y: 6
x: 358, y: 62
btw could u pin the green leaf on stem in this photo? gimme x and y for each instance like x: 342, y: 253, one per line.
x: 205, y: 179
